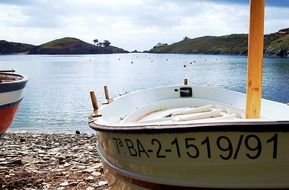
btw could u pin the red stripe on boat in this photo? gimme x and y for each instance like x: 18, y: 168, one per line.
x: 117, y: 181
x: 7, y: 114
x: 114, y: 179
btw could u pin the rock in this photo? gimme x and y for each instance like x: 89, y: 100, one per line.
x: 66, y: 165
x: 97, y: 165
x: 17, y: 162
x: 81, y: 185
x: 64, y: 184
x: 102, y: 183
x: 90, y: 178
x: 81, y: 167
x: 89, y: 170
x: 77, y: 132
x: 96, y: 174
x: 2, y: 159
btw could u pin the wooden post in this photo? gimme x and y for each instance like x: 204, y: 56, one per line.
x: 94, y: 104
x: 106, y: 94
x: 255, y: 59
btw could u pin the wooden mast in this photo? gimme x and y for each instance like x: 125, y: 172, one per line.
x: 255, y: 59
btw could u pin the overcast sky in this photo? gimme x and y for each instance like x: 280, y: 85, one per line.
x: 131, y: 24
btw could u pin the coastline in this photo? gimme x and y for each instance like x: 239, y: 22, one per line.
x: 50, y: 161
x: 266, y: 55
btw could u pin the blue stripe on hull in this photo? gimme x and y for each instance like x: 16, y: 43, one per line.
x: 9, y: 87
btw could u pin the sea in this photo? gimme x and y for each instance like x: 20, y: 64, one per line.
x: 57, y: 100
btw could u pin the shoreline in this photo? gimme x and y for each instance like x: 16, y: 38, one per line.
x: 50, y: 161
x: 157, y: 53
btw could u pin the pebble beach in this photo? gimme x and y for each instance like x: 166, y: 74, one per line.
x: 50, y: 161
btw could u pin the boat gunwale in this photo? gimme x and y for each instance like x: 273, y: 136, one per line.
x: 24, y: 78
x: 239, y: 126
x: 13, y: 85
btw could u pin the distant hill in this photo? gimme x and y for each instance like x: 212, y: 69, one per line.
x: 59, y: 46
x: 73, y: 46
x: 12, y: 47
x: 275, y: 44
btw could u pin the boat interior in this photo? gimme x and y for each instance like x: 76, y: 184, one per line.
x: 6, y: 77
x: 183, y: 105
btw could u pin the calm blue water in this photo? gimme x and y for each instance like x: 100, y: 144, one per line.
x: 57, y: 96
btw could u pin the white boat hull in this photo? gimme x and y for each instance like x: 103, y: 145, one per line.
x: 204, y: 153
x: 217, y: 159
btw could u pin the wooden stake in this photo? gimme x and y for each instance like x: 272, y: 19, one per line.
x: 96, y: 111
x: 106, y: 94
x: 255, y: 59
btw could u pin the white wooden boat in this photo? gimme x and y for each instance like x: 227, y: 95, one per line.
x: 11, y: 89
x: 191, y: 137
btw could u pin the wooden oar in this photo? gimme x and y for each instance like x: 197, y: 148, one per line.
x: 255, y: 59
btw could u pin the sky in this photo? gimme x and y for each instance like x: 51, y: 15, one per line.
x: 131, y: 24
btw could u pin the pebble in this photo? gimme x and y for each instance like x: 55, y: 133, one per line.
x: 66, y: 165
x: 90, y: 178
x: 81, y: 167
x: 50, y: 161
x: 64, y: 184
x: 102, y: 183
x: 96, y: 174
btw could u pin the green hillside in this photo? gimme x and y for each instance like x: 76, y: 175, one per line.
x: 12, y: 47
x: 275, y: 44
x: 73, y: 46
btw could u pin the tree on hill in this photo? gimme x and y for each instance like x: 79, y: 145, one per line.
x: 95, y: 41
x: 160, y: 45
x: 106, y: 43
x: 186, y: 38
x: 99, y: 44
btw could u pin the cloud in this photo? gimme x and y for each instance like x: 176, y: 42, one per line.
x: 17, y: 2
x: 131, y: 24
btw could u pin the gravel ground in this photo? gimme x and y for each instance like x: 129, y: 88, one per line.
x: 50, y: 161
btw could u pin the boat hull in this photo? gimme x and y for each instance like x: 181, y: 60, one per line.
x: 145, y: 146
x: 250, y: 156
x: 7, y: 113
x: 11, y: 94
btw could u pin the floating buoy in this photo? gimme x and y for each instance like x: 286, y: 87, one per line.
x: 185, y: 81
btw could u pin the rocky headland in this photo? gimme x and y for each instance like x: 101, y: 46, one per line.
x: 275, y: 45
